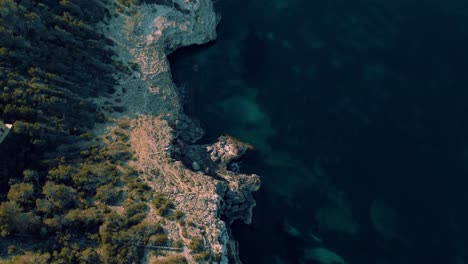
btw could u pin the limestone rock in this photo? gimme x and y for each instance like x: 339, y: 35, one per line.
x: 197, y: 178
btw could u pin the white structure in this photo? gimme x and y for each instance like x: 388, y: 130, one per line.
x: 4, y: 130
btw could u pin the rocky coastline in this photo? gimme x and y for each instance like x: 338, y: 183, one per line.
x: 203, y: 181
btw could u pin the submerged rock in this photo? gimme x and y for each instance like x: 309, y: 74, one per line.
x: 195, y: 166
x: 324, y: 256
x: 386, y: 221
x: 338, y: 218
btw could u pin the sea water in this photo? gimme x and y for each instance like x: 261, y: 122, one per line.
x: 358, y: 112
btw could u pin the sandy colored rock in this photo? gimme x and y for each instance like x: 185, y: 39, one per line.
x: 162, y: 138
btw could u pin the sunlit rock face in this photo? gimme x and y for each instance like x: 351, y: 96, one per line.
x: 195, y: 177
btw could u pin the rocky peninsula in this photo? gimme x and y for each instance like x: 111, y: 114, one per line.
x: 203, y: 181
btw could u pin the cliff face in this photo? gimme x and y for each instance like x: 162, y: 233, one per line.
x: 144, y: 38
x: 201, y: 180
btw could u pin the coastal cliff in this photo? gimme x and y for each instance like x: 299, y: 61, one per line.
x: 202, y: 181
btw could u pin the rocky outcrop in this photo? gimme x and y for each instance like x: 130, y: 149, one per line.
x: 144, y: 36
x: 205, y: 194
x: 218, y: 160
x: 202, y: 180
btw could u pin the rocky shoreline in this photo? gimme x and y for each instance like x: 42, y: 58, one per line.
x: 202, y: 180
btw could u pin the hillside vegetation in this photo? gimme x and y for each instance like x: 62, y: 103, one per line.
x: 66, y: 195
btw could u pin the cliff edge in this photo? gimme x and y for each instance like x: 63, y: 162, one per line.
x: 202, y: 181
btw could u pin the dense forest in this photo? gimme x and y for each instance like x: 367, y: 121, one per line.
x: 58, y: 182
x: 52, y: 60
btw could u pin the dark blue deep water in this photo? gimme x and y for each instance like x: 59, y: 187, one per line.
x: 359, y: 114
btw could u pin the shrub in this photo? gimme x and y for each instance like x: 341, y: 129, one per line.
x: 21, y: 193
x: 175, y: 259
x: 196, y: 244
x: 136, y: 219
x: 178, y: 215
x: 132, y: 208
x: 108, y: 194
x: 177, y: 244
x: 158, y: 240
x: 202, y: 256
x: 30, y: 257
x: 162, y: 205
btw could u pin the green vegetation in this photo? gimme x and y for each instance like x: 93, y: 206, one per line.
x: 196, y: 244
x: 204, y: 255
x: 65, y: 211
x: 67, y: 196
x: 162, y: 205
x: 56, y: 180
x: 178, y: 215
x: 158, y: 240
x: 177, y: 244
x: 176, y: 259
x: 51, y: 62
x: 128, y: 3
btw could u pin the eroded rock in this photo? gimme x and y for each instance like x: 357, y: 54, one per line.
x: 195, y: 177
x: 235, y: 188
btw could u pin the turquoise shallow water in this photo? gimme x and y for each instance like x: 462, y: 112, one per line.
x: 358, y: 112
